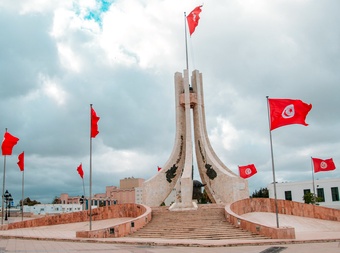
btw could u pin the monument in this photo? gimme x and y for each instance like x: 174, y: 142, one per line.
x: 221, y: 184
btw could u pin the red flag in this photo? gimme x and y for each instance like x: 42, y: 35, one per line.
x: 323, y: 165
x: 193, y: 19
x: 94, y: 123
x: 287, y: 111
x: 247, y: 170
x: 159, y: 168
x: 21, y: 161
x: 8, y: 143
x: 80, y: 171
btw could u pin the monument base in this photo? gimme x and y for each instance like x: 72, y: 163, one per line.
x: 183, y: 207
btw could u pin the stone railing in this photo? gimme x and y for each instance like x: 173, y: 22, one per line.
x: 140, y: 216
x: 234, y: 211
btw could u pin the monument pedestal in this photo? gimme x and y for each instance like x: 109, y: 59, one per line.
x: 183, y: 207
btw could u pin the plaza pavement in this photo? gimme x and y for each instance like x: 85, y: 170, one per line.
x: 311, y: 234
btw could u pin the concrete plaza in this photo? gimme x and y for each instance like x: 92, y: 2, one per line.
x: 312, y: 235
x: 22, y: 245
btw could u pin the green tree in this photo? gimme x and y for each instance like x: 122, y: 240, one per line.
x: 262, y: 193
x: 311, y: 198
x: 56, y: 200
x: 29, y: 202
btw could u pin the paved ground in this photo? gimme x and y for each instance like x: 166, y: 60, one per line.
x: 20, y: 245
x: 305, y: 228
x: 312, y: 235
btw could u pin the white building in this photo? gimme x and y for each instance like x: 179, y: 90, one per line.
x: 42, y: 209
x: 326, y: 189
x: 138, y: 195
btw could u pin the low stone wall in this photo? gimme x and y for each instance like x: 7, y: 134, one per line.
x: 234, y: 211
x: 140, y: 215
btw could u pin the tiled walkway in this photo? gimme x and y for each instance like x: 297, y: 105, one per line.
x: 307, y: 230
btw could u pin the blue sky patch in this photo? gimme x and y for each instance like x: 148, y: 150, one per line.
x: 96, y: 13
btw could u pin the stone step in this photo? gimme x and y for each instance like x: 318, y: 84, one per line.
x: 206, y: 223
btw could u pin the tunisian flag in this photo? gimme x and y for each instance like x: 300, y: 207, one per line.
x: 94, y: 123
x: 323, y: 165
x: 80, y: 171
x: 21, y: 161
x: 8, y: 143
x: 247, y: 170
x: 193, y: 19
x: 287, y: 111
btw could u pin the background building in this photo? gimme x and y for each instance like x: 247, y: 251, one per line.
x: 129, y: 191
x: 326, y: 189
x: 42, y: 209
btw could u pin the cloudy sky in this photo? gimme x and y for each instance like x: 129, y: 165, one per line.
x: 59, y: 56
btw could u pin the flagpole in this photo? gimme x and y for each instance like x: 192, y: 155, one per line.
x: 84, y: 202
x: 273, y: 167
x: 83, y: 187
x: 3, y: 189
x: 186, y: 43
x: 22, y: 201
x: 312, y: 165
x: 90, y: 197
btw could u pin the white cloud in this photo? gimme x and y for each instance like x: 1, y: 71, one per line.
x: 53, y: 90
x: 224, y: 133
x: 56, y: 61
x: 68, y: 58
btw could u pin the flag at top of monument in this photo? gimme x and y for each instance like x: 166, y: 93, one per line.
x: 247, y: 170
x: 287, y: 111
x: 323, y: 165
x: 193, y: 19
x: 8, y: 143
x: 94, y: 123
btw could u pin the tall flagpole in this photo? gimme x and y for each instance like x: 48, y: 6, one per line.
x: 312, y: 165
x: 90, y: 197
x: 3, y: 190
x: 84, y: 187
x: 22, y: 201
x: 186, y: 42
x: 273, y: 167
x: 84, y: 202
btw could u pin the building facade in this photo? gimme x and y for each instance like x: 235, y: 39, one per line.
x: 130, y: 191
x: 326, y: 189
x: 42, y: 209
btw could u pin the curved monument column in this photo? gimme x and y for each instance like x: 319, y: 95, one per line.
x: 158, y: 188
x: 222, y: 185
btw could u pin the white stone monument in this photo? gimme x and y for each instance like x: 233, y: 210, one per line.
x: 222, y: 185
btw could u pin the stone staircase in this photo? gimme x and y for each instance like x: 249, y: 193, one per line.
x: 205, y: 223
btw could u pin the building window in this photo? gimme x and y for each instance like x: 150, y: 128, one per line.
x: 306, y: 191
x: 288, y: 195
x: 321, y: 195
x: 335, y: 193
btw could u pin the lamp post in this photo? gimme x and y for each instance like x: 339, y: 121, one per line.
x: 7, y: 196
x: 10, y: 200
x: 82, y: 201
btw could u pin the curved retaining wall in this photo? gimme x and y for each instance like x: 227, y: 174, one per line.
x: 234, y: 211
x: 140, y: 216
